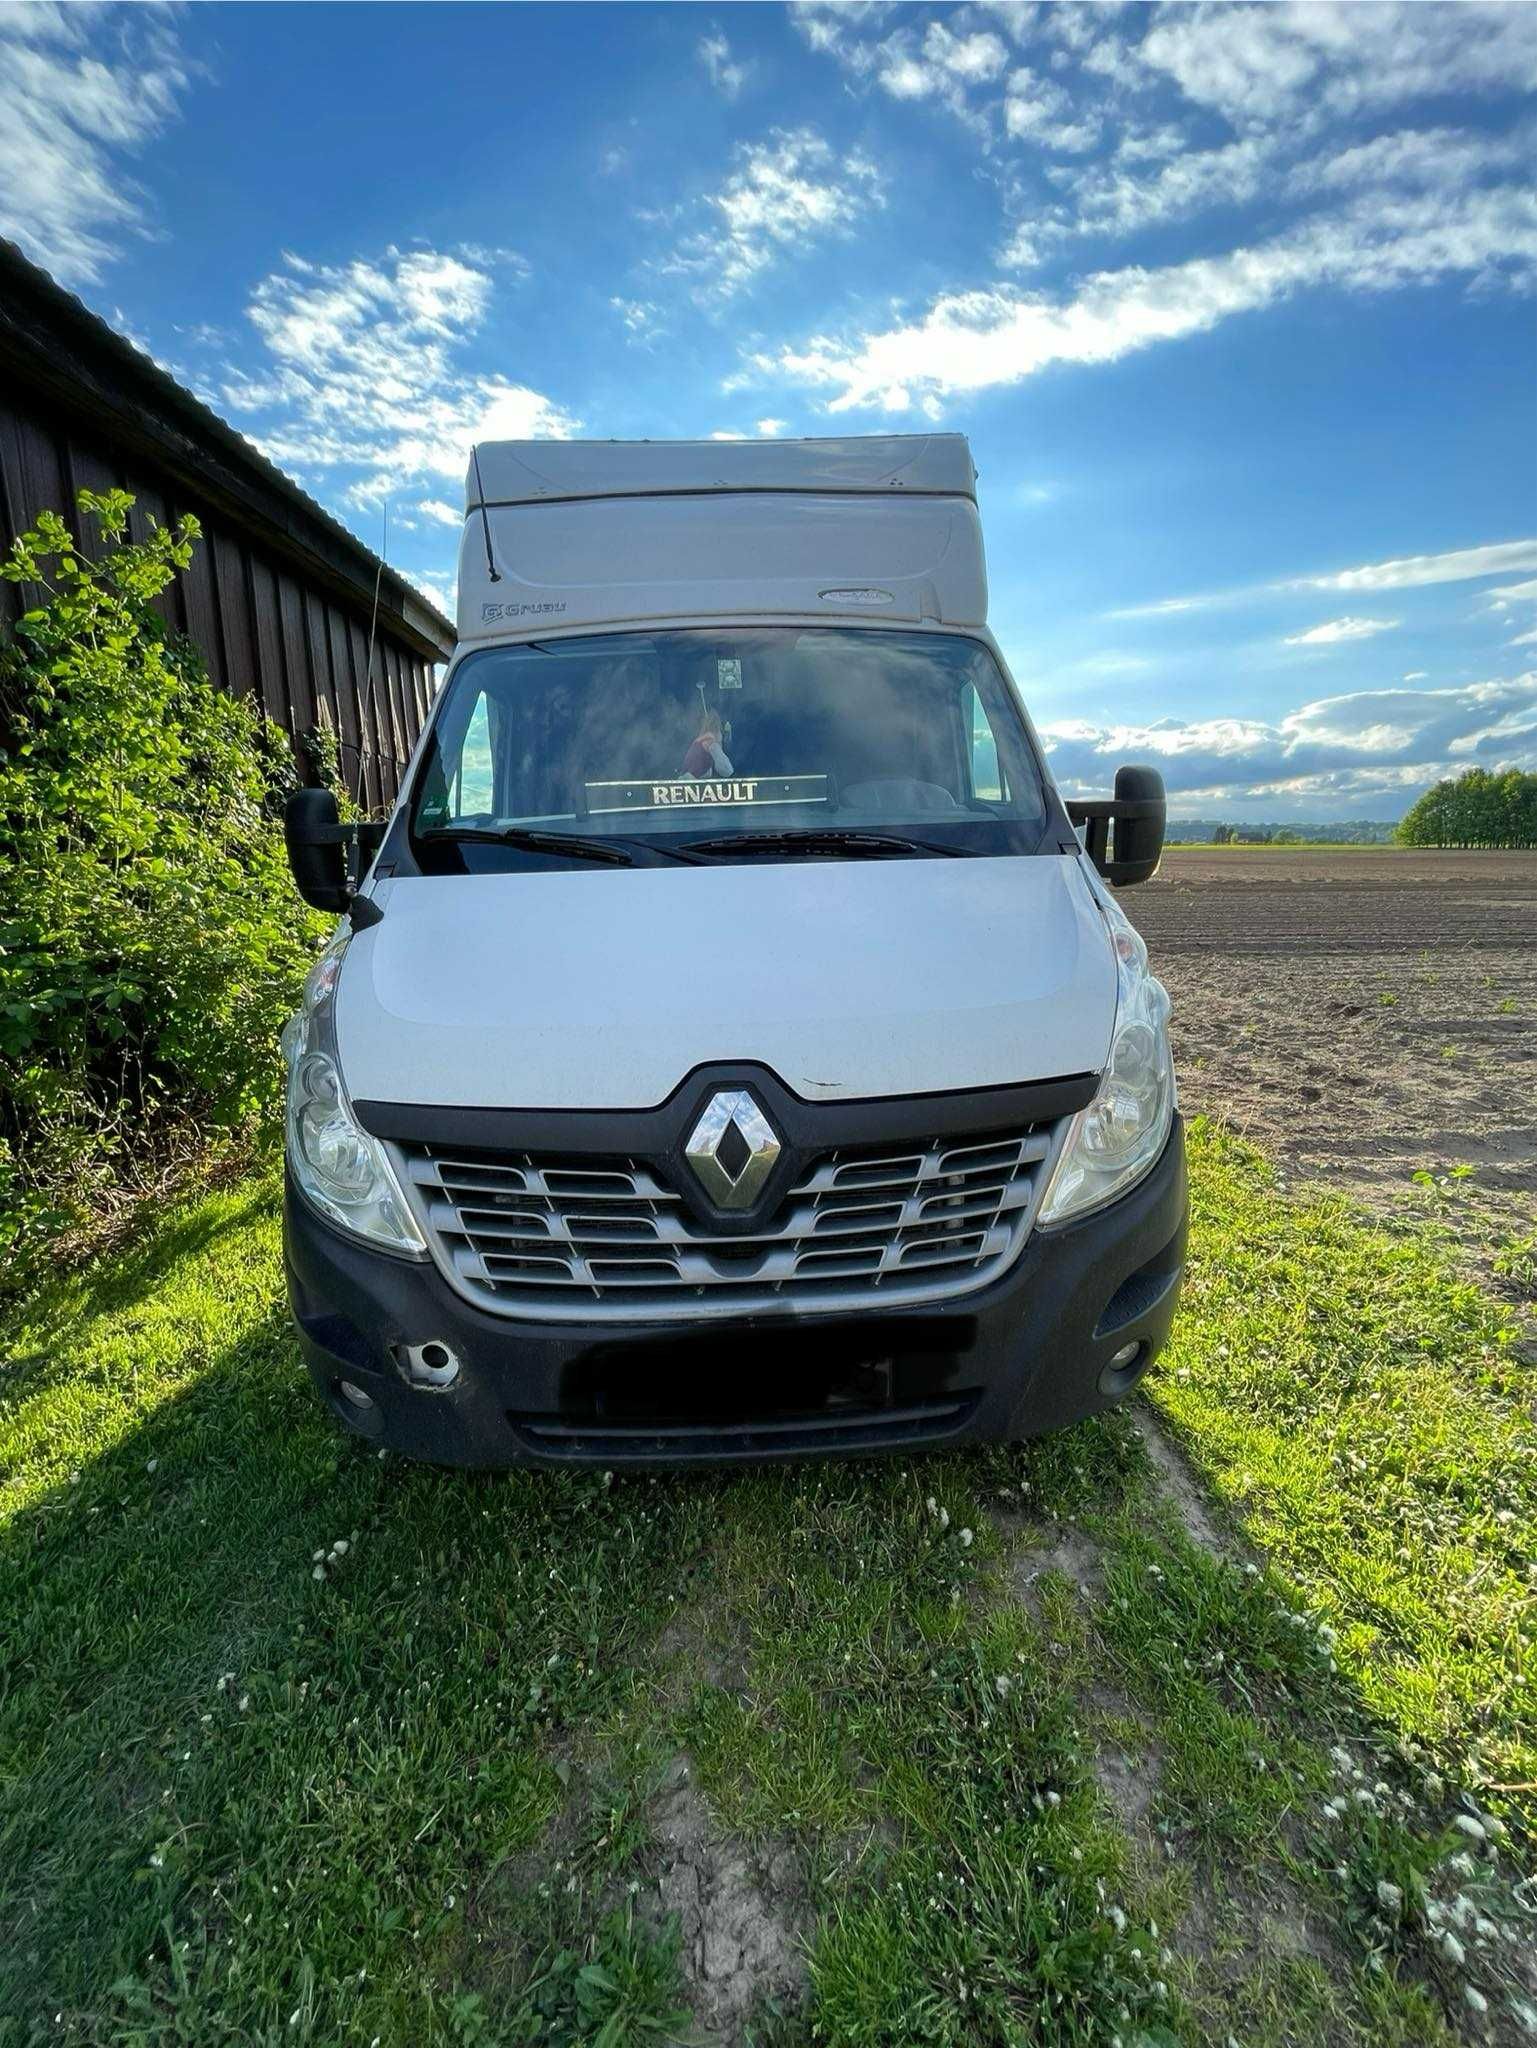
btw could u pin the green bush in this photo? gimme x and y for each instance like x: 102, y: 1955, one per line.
x: 1476, y: 809
x: 150, y: 938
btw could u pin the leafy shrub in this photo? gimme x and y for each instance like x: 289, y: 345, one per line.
x: 150, y: 938
x: 1476, y: 808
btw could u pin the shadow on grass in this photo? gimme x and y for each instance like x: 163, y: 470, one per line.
x: 274, y: 1707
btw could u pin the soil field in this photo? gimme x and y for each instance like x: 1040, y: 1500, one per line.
x: 1364, y: 1015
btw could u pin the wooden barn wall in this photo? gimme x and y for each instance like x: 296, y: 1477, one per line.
x: 292, y: 647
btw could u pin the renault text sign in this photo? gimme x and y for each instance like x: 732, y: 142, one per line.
x: 704, y: 791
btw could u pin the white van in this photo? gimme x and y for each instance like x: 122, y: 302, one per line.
x: 729, y: 1050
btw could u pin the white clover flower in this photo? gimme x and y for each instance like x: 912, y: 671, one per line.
x: 1467, y: 1825
x: 1453, y: 1949
x: 966, y: 1539
x: 1002, y: 1684
x: 1389, y: 1897
x: 1117, y: 1919
x: 1474, y: 1998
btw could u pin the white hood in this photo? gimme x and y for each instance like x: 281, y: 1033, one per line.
x: 603, y: 989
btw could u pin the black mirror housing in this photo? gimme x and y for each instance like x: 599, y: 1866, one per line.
x: 1138, y: 812
x: 317, y: 843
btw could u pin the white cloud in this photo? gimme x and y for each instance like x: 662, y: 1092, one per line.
x: 79, y: 93
x: 973, y: 58
x: 641, y: 318
x: 1335, y: 630
x: 443, y: 591
x: 1110, y: 199
x: 771, y: 429
x: 363, y: 383
x: 725, y: 73
x: 1159, y: 610
x: 1370, y: 741
x: 1424, y: 158
x: 969, y: 341
x: 437, y: 508
x: 785, y: 194
x: 1038, y: 110
x: 1260, y: 63
x: 943, y: 63
x: 1461, y: 565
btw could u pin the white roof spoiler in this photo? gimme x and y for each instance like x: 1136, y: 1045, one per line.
x: 527, y: 472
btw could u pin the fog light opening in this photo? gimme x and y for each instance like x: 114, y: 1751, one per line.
x: 431, y: 1365
x: 1125, y: 1368
x: 357, y: 1408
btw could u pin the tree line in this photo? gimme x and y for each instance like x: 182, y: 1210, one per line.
x: 1476, y: 808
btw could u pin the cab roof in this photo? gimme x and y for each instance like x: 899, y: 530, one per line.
x: 524, y: 472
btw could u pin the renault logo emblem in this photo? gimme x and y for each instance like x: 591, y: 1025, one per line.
x: 732, y: 1149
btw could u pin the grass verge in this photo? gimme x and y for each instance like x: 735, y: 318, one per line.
x: 301, y: 1744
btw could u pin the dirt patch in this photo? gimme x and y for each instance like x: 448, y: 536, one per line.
x: 741, y: 1915
x: 1068, y: 1551
x: 1361, y: 1015
x: 1178, y: 1486
x: 1127, y: 1775
x: 703, y: 1645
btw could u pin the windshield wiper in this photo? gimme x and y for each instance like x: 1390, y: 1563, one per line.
x: 828, y: 839
x: 617, y: 853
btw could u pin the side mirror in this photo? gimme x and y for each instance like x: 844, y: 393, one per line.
x: 317, y: 843
x: 1138, y: 811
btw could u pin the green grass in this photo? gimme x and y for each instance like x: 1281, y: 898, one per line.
x: 983, y: 1749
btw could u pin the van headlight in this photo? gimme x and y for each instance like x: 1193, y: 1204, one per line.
x: 339, y: 1168
x: 1113, y: 1142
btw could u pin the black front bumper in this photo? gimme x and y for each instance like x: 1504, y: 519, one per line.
x: 1031, y: 1353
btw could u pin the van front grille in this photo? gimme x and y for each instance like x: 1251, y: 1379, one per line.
x: 580, y: 1239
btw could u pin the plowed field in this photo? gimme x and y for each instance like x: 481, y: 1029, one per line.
x: 1364, y: 1015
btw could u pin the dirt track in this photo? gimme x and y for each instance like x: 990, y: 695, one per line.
x: 1362, y: 1014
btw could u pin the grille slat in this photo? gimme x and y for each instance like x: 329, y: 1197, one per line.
x: 577, y: 1239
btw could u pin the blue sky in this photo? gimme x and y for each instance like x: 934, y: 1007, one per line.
x: 1236, y: 304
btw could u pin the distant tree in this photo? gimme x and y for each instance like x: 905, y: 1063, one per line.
x: 1223, y: 836
x: 1475, y: 809
x: 1285, y: 835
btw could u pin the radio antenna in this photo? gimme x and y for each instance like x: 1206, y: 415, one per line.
x: 373, y: 625
x: 485, y: 517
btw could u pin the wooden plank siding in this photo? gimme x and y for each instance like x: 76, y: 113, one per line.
x: 296, y: 652
x: 278, y: 596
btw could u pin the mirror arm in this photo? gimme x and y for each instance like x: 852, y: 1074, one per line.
x: 1096, y: 815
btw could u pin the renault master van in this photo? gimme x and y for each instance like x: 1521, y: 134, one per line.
x: 730, y: 1049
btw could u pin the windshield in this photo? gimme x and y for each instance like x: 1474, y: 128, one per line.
x: 726, y: 743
